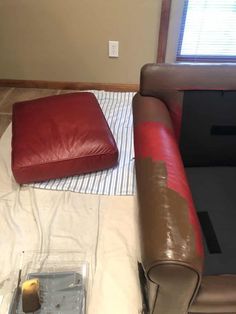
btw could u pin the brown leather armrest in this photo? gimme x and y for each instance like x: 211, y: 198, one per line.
x: 172, y: 251
x: 169, y: 224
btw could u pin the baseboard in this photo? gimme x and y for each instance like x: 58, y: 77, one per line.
x: 69, y: 85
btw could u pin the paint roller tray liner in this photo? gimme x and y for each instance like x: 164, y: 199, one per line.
x: 64, y: 282
x: 60, y: 292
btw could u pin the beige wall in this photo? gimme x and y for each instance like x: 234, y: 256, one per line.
x: 67, y: 40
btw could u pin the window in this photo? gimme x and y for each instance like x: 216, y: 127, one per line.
x: 208, y: 31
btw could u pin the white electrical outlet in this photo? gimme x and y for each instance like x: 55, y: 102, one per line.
x: 113, y: 49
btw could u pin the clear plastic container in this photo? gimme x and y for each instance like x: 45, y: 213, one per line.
x: 64, y: 280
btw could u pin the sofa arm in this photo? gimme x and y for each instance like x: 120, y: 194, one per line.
x: 172, y: 250
x: 217, y: 294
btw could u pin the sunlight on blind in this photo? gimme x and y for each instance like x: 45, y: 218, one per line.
x: 209, y: 28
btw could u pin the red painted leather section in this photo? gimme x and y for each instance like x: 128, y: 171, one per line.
x: 176, y: 116
x: 153, y: 139
x: 60, y: 136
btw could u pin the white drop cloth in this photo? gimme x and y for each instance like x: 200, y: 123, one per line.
x: 104, y: 227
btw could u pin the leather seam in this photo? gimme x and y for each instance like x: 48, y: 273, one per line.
x: 172, y: 262
x: 63, y: 160
x: 179, y: 264
x: 155, y: 302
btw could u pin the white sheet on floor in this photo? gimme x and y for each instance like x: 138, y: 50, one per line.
x: 103, y: 227
x: 117, y: 109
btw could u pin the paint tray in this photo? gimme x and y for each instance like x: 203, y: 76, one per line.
x: 63, y: 284
x: 61, y: 292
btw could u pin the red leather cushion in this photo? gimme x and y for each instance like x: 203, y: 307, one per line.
x: 60, y: 136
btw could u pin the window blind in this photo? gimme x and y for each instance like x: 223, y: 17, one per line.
x: 208, y: 31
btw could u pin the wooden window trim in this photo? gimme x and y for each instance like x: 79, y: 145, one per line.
x: 208, y: 59
x: 163, y: 31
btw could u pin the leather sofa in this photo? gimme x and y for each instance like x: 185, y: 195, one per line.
x: 181, y: 121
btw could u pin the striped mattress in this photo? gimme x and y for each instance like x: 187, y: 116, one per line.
x: 117, y: 108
